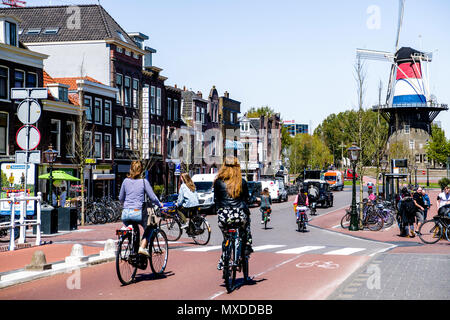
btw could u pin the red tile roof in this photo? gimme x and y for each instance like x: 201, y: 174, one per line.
x: 72, y: 81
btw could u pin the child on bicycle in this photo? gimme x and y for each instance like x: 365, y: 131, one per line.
x: 266, y: 201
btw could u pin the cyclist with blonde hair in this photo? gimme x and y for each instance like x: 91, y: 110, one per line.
x: 187, y: 199
x: 231, y: 199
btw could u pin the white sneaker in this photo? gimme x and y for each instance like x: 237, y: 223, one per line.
x: 144, y: 252
x: 262, y: 221
x: 184, y: 226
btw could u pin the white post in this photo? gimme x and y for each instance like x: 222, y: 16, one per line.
x: 38, y: 219
x: 12, y: 226
x: 23, y: 212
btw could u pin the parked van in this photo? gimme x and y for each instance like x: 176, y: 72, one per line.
x: 204, y: 183
x: 276, y: 189
x: 335, y: 179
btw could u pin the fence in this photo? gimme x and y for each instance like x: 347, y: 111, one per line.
x: 22, y: 222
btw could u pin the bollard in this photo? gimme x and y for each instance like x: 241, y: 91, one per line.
x: 109, y: 250
x: 12, y: 243
x: 38, y: 219
x: 38, y: 262
x: 77, y: 255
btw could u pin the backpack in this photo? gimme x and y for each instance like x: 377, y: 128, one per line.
x: 409, y: 206
x: 444, y: 210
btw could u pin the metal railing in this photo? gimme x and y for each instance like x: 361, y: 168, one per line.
x: 22, y: 222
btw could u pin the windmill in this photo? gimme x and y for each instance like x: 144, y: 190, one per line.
x: 410, y: 108
x: 14, y: 3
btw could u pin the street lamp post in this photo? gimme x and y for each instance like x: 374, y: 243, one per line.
x: 415, y: 176
x: 384, y: 166
x: 50, y: 157
x: 428, y: 174
x: 353, y: 155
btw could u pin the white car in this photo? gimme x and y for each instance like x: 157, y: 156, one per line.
x: 204, y: 183
x: 276, y: 189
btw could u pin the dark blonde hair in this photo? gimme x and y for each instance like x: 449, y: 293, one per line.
x: 230, y: 173
x: 188, y: 181
x: 266, y: 192
x: 135, y: 170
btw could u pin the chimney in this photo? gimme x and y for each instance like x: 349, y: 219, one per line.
x: 184, y: 88
x: 199, y: 93
x: 226, y: 94
x: 176, y: 86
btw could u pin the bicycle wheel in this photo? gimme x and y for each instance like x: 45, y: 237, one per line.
x: 229, y: 270
x: 125, y: 271
x: 171, y: 227
x: 159, y: 251
x: 375, y: 221
x: 388, y: 220
x: 430, y: 231
x: 345, y: 221
x: 447, y: 232
x: 202, y: 232
x: 265, y: 221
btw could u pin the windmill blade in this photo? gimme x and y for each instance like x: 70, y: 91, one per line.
x: 390, y: 89
x: 365, y: 54
x: 400, y: 22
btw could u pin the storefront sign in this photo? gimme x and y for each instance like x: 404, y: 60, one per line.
x: 145, y: 123
x: 13, y: 184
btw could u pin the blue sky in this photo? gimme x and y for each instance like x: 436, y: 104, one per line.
x: 295, y: 56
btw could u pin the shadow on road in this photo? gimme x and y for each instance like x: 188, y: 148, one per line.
x: 153, y: 276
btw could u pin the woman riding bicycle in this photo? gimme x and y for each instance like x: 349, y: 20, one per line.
x: 231, y: 198
x: 266, y: 201
x: 187, y: 199
x: 132, y: 193
x: 301, y: 200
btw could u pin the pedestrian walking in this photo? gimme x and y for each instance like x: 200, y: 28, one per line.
x: 420, y: 207
x: 427, y: 202
x: 132, y: 194
x: 231, y: 199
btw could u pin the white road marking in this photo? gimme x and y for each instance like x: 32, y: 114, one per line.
x: 268, y: 246
x: 300, y: 249
x: 204, y: 249
x: 344, y: 251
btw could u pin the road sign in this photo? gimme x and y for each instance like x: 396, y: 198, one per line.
x: 177, y: 169
x: 34, y: 137
x: 33, y: 157
x: 29, y: 111
x: 27, y: 93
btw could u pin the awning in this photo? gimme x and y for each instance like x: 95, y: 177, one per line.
x: 59, y: 175
x: 236, y: 145
x: 103, y: 176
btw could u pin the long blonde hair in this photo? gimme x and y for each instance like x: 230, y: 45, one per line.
x: 230, y: 173
x: 135, y: 170
x: 188, y: 181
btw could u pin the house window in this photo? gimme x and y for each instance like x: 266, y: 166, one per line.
x: 127, y: 91
x: 4, y: 83
x: 55, y: 134
x: 98, y: 111
x: 136, y: 93
x: 213, y: 146
x: 70, y: 138
x: 152, y: 139
x: 158, y: 140
x: 11, y: 33
x: 119, y: 86
x: 152, y: 100
x: 98, y: 145
x: 32, y: 81
x: 412, y: 144
x: 175, y: 110
x: 135, y: 134
x: 158, y: 101
x: 108, y: 113
x: 88, y: 106
x: 107, y: 146
x: 197, y: 114
x: 203, y: 115
x: 3, y: 133
x: 87, y: 144
x: 119, y: 132
x: 407, y: 129
x: 119, y: 49
x: 63, y: 94
x: 19, y: 79
x: 127, y: 126
x: 169, y: 109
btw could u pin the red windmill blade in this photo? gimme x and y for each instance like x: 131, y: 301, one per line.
x: 14, y: 3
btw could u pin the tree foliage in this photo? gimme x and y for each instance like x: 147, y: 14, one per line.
x: 438, y: 147
x: 308, y: 151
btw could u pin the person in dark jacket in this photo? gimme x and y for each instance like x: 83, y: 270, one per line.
x: 231, y: 200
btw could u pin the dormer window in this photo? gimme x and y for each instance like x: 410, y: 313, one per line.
x: 33, y: 31
x: 51, y: 31
x: 63, y: 94
x: 11, y: 33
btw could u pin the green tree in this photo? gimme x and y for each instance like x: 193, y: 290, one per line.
x: 438, y: 147
x: 259, y: 112
x: 308, y: 151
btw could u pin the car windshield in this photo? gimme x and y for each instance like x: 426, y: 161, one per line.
x: 330, y: 178
x: 203, y: 186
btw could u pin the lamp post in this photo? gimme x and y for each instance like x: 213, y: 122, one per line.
x: 415, y: 176
x: 353, y: 155
x: 428, y: 174
x: 50, y: 157
x: 384, y: 165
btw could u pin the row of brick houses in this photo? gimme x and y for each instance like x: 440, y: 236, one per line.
x: 93, y: 64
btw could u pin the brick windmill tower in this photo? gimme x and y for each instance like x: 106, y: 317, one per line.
x: 410, y: 108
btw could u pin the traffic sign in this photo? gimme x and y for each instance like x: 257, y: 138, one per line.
x: 33, y: 157
x: 27, y: 93
x: 177, y: 169
x: 33, y: 134
x: 29, y: 111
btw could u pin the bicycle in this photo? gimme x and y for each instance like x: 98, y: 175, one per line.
x: 198, y: 228
x: 371, y: 219
x: 234, y: 258
x: 433, y: 230
x: 388, y: 217
x: 302, y: 219
x: 127, y: 258
x: 266, y: 217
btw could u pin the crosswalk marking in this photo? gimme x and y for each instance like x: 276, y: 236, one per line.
x: 204, y: 249
x: 300, y: 249
x: 268, y: 246
x: 344, y: 251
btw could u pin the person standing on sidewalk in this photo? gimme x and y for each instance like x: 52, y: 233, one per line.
x: 132, y: 194
x: 420, y: 207
x: 427, y: 202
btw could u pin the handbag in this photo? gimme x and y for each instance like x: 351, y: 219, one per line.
x: 149, y: 210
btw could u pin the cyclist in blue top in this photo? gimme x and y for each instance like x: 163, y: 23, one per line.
x: 187, y: 199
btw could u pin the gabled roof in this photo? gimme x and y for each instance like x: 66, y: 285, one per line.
x: 95, y: 24
x: 72, y: 81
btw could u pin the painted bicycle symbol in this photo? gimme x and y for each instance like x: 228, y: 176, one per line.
x: 319, y: 264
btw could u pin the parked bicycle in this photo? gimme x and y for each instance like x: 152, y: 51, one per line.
x: 198, y: 228
x: 433, y: 230
x: 234, y: 258
x: 127, y: 258
x: 372, y: 219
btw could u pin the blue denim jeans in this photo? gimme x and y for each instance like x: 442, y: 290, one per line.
x: 128, y: 217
